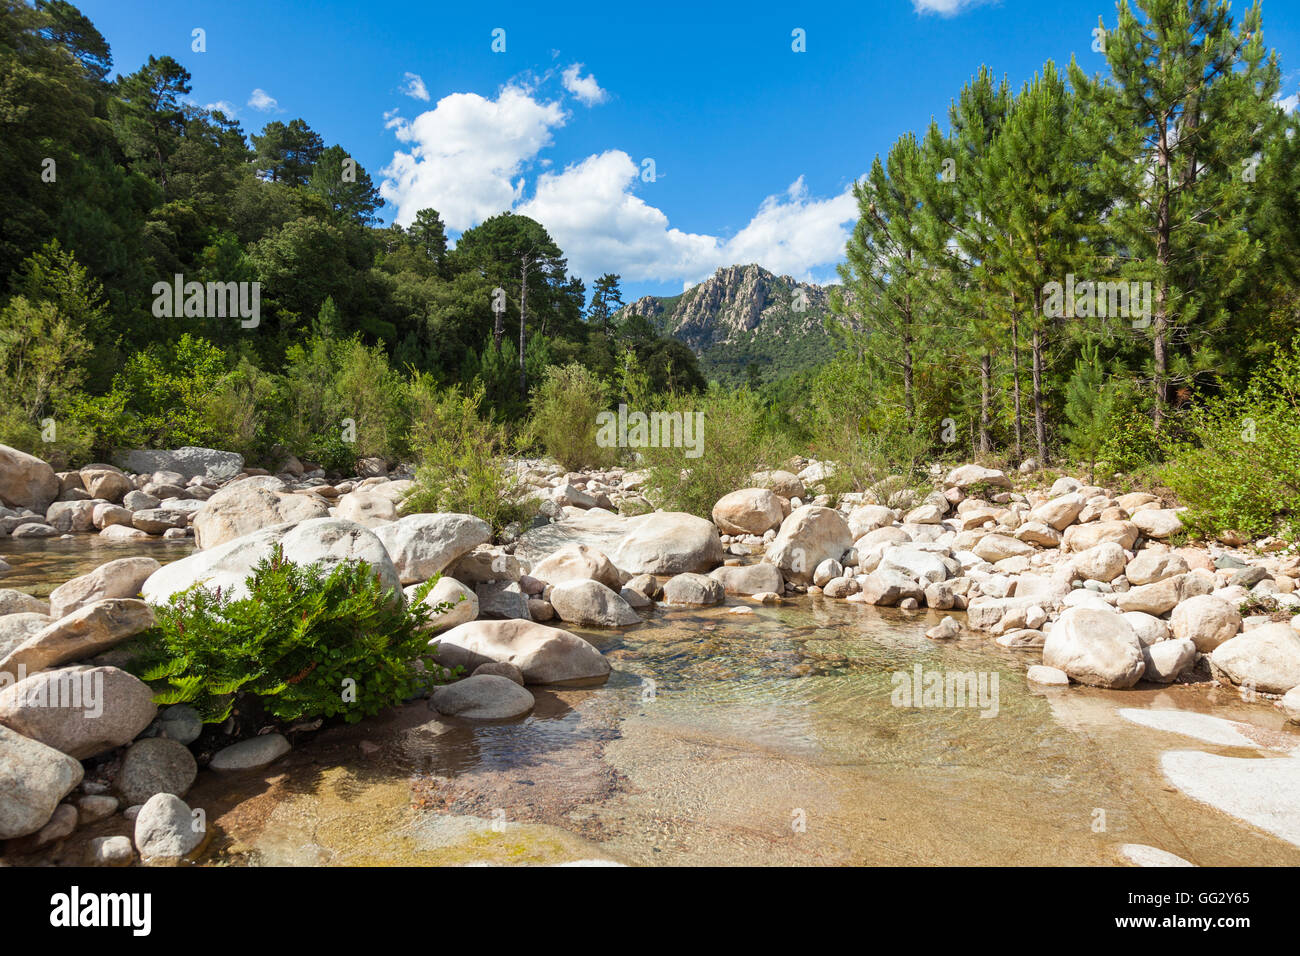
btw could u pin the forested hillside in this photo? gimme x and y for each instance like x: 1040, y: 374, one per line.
x: 118, y: 185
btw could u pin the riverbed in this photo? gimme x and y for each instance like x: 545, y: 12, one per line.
x: 773, y: 737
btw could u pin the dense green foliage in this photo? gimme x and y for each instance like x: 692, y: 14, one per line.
x: 1095, y: 266
x: 1239, y: 469
x: 307, y: 641
x: 565, y: 410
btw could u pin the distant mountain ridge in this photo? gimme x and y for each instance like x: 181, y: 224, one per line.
x: 745, y: 315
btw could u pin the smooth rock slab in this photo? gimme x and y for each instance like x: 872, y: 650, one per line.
x: 122, y: 578
x: 81, y: 634
x: 483, y: 697
x: 248, y: 754
x: 1260, y: 791
x: 1140, y: 854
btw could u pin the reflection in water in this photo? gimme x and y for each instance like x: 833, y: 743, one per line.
x: 42, y: 564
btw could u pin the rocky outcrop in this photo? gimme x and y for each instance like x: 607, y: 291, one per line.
x: 26, y: 481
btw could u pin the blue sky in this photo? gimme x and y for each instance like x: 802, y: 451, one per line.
x: 754, y: 146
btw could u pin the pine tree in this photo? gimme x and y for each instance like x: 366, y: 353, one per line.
x: 1190, y: 100
x: 1089, y: 401
x: 885, y: 276
x: 963, y: 231
x: 1038, y: 175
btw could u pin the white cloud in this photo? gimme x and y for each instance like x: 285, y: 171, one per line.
x: 584, y: 88
x: 592, y: 213
x: 466, y: 153
x: 467, y: 158
x: 230, y: 109
x: 589, y: 209
x: 262, y: 101
x: 791, y: 234
x: 1289, y: 103
x: 945, y: 8
x: 415, y: 87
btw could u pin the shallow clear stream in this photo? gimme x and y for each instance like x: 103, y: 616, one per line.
x: 767, y: 738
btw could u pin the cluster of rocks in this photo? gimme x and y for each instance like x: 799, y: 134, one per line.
x: 65, y: 706
x: 157, y: 494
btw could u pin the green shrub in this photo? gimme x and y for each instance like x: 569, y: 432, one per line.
x: 462, y: 462
x: 298, y: 642
x: 565, y: 407
x: 339, y: 401
x: 730, y: 438
x: 1131, y: 444
x: 1239, y: 469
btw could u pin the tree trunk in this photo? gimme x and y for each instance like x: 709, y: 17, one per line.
x: 523, y: 309
x: 908, y: 405
x: 1040, y: 418
x: 1015, y: 375
x: 1160, y: 325
x: 986, y: 376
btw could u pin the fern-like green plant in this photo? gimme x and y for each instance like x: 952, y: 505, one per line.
x: 309, y: 642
